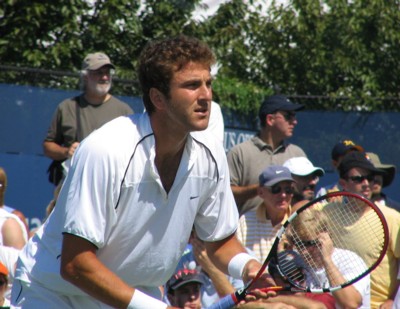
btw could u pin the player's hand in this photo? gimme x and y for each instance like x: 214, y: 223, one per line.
x: 251, y: 270
x: 257, y: 294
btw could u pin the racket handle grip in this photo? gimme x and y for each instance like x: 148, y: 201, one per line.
x: 226, y: 302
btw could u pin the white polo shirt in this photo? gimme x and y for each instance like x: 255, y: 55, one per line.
x: 113, y: 197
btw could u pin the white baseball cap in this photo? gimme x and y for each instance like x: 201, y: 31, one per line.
x: 301, y: 166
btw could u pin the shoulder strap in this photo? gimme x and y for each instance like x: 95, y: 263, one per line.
x: 78, y: 120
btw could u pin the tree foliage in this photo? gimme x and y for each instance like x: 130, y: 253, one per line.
x: 340, y: 49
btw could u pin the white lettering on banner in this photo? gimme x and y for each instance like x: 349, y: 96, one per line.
x: 234, y: 137
x: 34, y: 223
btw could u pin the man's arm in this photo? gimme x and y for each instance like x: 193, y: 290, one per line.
x: 223, y: 251
x: 12, y: 233
x: 80, y: 266
x: 220, y: 281
x: 242, y: 194
x: 22, y: 217
x: 57, y: 152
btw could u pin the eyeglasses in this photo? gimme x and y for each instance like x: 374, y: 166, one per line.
x: 359, y: 179
x: 289, y: 116
x: 278, y: 189
x: 102, y: 72
x: 308, y: 243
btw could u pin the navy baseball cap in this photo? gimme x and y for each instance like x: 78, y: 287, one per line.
x: 274, y: 174
x: 343, y: 147
x: 276, y: 103
x: 357, y: 159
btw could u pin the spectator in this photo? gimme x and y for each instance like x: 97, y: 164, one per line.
x: 183, y: 289
x: 300, y: 300
x: 396, y: 302
x: 258, y: 229
x: 13, y: 232
x: 8, y: 257
x: 324, y: 262
x: 269, y: 147
x: 75, y: 118
x: 306, y: 177
x: 216, y: 283
x: 383, y: 181
x: 356, y: 175
x: 338, y: 152
x: 3, y: 188
x: 117, y: 234
x: 4, y: 302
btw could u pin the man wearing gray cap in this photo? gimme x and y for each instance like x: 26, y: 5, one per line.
x: 257, y: 229
x: 277, y: 116
x: 75, y: 118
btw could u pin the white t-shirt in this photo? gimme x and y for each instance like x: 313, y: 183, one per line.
x: 216, y: 124
x: 113, y: 197
x: 341, y: 259
x: 4, y: 216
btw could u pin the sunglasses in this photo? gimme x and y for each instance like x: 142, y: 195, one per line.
x: 360, y: 179
x: 289, y: 116
x: 278, y: 189
x: 2, y: 283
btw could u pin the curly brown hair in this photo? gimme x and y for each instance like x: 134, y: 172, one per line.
x: 159, y: 61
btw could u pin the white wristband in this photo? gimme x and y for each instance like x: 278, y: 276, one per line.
x: 237, y: 263
x: 142, y: 301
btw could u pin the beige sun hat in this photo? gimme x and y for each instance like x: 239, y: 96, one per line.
x: 390, y: 169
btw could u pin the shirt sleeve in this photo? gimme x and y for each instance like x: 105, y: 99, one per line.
x: 93, y: 191
x: 218, y: 215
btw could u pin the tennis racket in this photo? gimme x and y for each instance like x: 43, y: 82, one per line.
x: 343, y: 227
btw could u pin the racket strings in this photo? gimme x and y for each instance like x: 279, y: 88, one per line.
x: 351, y: 239
x: 355, y: 226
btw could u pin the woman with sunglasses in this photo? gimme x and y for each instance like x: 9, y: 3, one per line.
x: 327, y: 263
x: 258, y: 228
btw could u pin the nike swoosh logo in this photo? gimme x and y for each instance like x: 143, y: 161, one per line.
x: 193, y: 197
x: 279, y: 172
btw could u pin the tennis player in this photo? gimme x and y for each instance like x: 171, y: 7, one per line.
x: 135, y: 188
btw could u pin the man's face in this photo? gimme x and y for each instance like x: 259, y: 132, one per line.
x: 98, y: 82
x: 278, y: 197
x: 188, y: 105
x: 283, y: 123
x: 377, y: 185
x: 187, y: 296
x: 305, y: 185
x: 359, y: 181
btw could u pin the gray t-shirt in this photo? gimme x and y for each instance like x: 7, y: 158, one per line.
x: 66, y: 128
x: 248, y: 159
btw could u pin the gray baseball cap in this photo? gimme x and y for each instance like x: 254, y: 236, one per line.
x: 95, y: 61
x: 274, y: 174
